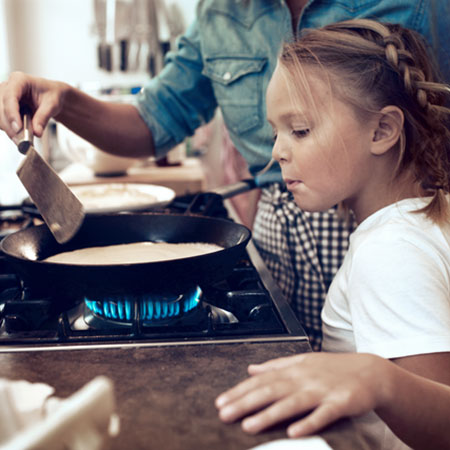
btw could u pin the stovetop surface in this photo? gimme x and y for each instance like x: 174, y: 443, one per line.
x: 246, y: 306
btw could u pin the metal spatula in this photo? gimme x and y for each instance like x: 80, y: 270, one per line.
x: 59, y: 207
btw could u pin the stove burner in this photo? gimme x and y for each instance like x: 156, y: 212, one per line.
x: 154, y: 309
x: 245, y: 306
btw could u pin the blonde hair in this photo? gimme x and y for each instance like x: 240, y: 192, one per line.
x: 372, y: 65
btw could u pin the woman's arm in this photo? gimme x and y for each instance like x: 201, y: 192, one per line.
x: 316, y: 389
x: 116, y: 128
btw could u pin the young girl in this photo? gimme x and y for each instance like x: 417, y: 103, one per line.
x: 359, y: 121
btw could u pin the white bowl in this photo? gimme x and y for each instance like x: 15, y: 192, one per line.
x: 81, y: 151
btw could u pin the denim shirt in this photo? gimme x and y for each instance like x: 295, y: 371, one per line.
x: 227, y: 56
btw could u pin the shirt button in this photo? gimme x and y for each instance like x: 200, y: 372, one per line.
x: 226, y: 76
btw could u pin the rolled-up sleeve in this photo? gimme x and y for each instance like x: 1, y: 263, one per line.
x: 179, y: 99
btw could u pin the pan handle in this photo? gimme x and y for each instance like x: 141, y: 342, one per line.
x: 258, y: 181
x: 209, y: 203
x: 235, y: 189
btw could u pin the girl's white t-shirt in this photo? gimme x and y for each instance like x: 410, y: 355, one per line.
x: 391, y: 296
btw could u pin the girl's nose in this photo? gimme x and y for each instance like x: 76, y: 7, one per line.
x: 279, y: 151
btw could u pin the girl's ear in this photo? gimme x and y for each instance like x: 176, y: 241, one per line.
x: 388, y: 129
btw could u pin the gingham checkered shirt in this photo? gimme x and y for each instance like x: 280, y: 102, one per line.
x: 303, y: 251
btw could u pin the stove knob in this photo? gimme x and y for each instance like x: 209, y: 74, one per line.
x: 260, y: 313
x: 15, y: 323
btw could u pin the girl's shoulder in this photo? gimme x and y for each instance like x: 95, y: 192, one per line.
x: 402, y: 216
x: 399, y: 230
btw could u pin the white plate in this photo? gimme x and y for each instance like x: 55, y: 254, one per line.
x: 117, y: 197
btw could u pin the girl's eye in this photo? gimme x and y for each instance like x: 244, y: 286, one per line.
x: 300, y: 133
x: 274, y: 137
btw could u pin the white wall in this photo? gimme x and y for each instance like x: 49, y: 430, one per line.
x: 56, y: 39
x: 4, y: 52
x: 53, y: 39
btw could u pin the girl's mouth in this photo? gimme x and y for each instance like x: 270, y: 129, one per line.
x: 291, y: 184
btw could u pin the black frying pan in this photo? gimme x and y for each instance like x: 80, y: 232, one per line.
x: 27, y: 248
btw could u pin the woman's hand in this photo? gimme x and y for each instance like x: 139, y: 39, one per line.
x: 114, y: 127
x: 320, y: 387
x: 44, y: 97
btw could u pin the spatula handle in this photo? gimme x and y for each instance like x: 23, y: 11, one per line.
x: 26, y: 139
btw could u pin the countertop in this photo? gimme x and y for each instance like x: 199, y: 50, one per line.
x: 165, y: 395
x: 187, y: 178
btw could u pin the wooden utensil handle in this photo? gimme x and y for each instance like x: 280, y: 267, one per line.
x: 26, y: 139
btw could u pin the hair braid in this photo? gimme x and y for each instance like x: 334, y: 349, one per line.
x: 403, y: 61
x: 399, y: 58
x: 386, y: 64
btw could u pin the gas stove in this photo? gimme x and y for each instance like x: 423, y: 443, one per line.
x: 246, y: 306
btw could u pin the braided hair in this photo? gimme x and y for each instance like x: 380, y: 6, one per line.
x: 372, y: 65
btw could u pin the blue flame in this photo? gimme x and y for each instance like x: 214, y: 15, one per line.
x: 151, y: 309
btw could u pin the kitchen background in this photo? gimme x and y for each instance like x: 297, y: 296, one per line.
x: 163, y: 336
x: 59, y: 38
x: 71, y: 40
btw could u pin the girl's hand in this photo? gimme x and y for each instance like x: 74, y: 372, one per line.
x: 320, y: 387
x: 44, y: 97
